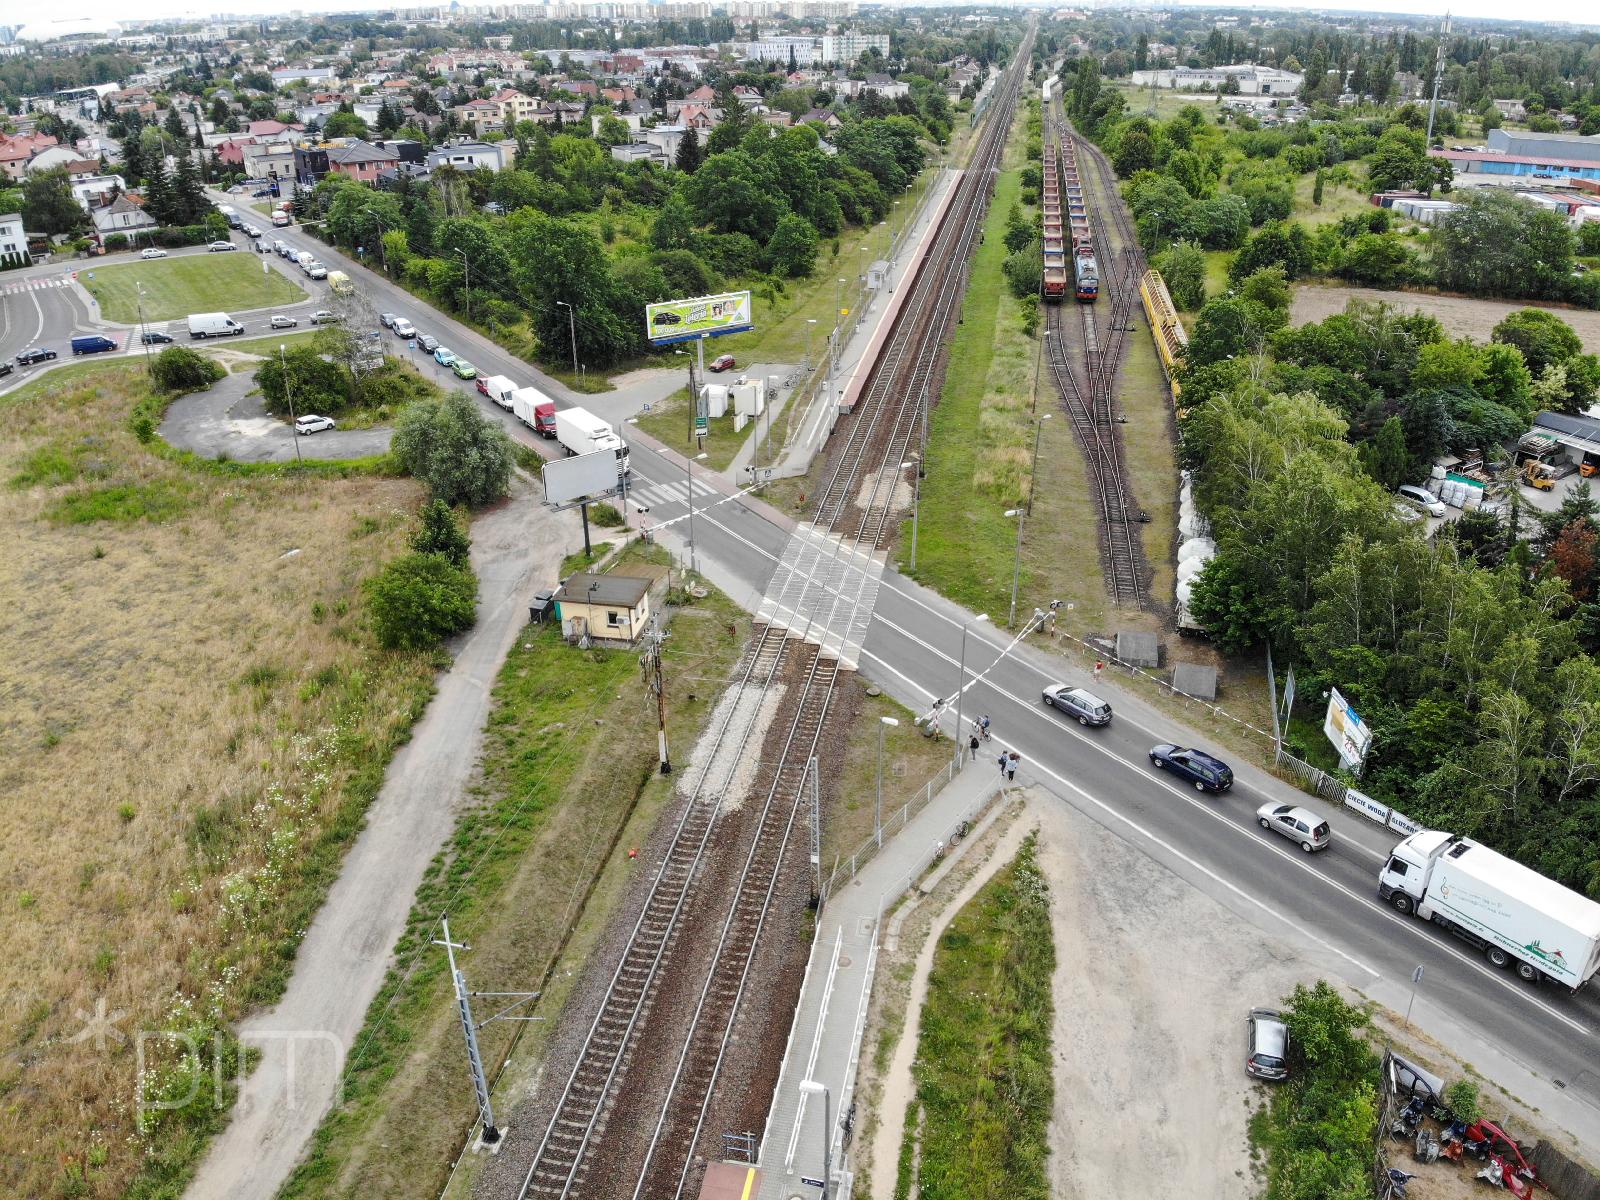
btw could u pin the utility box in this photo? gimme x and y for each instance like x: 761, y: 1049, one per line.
x: 716, y: 397
x: 750, y: 398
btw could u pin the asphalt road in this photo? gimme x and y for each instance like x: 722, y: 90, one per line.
x: 912, y: 651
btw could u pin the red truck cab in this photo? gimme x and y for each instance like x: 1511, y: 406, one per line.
x: 544, y: 420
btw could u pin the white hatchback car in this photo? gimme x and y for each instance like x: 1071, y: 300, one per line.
x: 311, y: 423
x: 1421, y: 498
x: 152, y: 252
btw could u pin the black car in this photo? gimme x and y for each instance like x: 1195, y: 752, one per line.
x: 154, y: 337
x: 6, y: 369
x: 37, y: 354
x: 1208, y: 774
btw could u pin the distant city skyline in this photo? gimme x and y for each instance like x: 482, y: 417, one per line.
x: 1575, y: 11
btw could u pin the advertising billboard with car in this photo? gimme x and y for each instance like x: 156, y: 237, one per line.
x: 705, y: 316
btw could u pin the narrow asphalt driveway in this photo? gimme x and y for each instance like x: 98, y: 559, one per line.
x: 228, y: 420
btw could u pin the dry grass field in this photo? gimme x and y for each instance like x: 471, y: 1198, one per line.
x: 192, y: 721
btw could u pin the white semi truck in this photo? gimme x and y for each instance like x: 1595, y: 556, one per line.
x: 581, y: 432
x: 1513, y: 914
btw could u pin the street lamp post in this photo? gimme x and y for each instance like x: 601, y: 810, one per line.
x: 838, y: 313
x: 812, y: 1086
x: 1033, y: 469
x: 1021, y: 514
x: 688, y: 471
x: 811, y: 327
x: 1038, y: 357
x: 466, y: 280
x: 877, y: 811
x: 288, y: 394
x: 572, y: 332
x: 144, y: 335
x: 961, y: 676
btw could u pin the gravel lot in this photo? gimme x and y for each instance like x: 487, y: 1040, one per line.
x: 1152, y: 985
x: 1461, y: 316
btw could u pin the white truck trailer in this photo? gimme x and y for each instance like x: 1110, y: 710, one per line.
x: 1512, y: 913
x: 204, y: 325
x: 499, y: 389
x: 581, y: 432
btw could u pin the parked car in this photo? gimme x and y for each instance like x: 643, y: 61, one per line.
x: 6, y: 368
x: 91, y: 343
x: 324, y: 316
x: 1299, y: 825
x: 280, y: 321
x: 1208, y: 774
x: 1267, y: 1046
x: 152, y: 252
x: 403, y: 328
x: 154, y: 337
x: 261, y: 194
x: 428, y: 342
x: 1085, y: 707
x: 315, y: 270
x: 723, y: 362
x: 311, y: 423
x: 1421, y: 498
x: 463, y: 369
x: 219, y: 247
x: 36, y: 355
x: 252, y: 231
x: 387, y: 320
x: 444, y: 356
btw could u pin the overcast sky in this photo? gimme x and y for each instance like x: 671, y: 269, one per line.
x: 110, y: 10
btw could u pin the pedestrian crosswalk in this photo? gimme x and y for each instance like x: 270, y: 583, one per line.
x: 34, y: 285
x: 645, y: 493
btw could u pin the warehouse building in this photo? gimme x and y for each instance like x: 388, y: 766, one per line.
x: 1568, y: 147
x: 1495, y: 162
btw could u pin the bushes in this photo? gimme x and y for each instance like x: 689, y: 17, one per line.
x: 1023, y: 270
x: 302, y: 379
x: 451, y: 447
x: 419, y: 600
x: 178, y: 370
x: 1184, y: 269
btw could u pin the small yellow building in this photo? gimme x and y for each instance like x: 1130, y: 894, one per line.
x: 604, y: 608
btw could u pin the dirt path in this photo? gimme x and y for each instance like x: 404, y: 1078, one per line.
x: 1461, y: 316
x: 304, y: 1040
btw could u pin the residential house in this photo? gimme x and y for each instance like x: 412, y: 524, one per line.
x: 824, y: 115
x: 90, y: 189
x: 695, y: 117
x: 122, y: 215
x: 52, y: 157
x: 630, y: 152
x: 701, y: 97
x: 579, y: 87
x: 665, y: 138
x: 748, y: 96
x: 514, y: 106
x: 472, y: 156
x: 15, y: 152
x: 13, y: 243
x: 777, y: 118
x: 391, y: 179
x: 360, y: 160
x: 311, y: 75
x: 481, y: 115
x: 271, y: 161
x: 888, y: 88
x: 620, y: 96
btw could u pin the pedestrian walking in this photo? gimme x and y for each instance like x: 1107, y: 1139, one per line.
x: 1004, y: 762
x: 1011, y: 766
x: 974, y: 745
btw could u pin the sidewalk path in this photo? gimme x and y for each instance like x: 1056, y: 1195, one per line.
x: 305, y: 1039
x: 825, y: 1041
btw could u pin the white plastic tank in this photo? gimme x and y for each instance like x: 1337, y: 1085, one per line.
x: 1200, y: 547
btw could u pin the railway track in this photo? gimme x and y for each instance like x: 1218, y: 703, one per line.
x: 891, y: 412
x: 1087, y: 387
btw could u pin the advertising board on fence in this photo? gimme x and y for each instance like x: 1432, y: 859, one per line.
x: 1348, y: 733
x: 1367, y: 806
x: 704, y: 316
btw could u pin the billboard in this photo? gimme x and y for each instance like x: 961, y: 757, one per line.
x: 1348, y: 733
x: 583, y: 477
x: 705, y: 316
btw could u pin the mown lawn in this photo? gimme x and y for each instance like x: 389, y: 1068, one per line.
x: 176, y: 287
x: 983, y: 1075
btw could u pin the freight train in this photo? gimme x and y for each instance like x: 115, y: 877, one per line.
x: 1067, y: 235
x: 1171, y: 340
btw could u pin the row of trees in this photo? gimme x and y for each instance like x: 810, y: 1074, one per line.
x: 1470, y: 654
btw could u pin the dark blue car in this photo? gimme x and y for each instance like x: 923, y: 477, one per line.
x: 1208, y: 774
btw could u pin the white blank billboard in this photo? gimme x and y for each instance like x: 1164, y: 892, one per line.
x: 582, y: 477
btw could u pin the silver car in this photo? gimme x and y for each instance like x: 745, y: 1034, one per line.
x: 1084, y: 707
x: 1267, y: 1046
x: 1299, y: 825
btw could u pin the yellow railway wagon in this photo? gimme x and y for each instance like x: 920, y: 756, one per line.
x: 1165, y: 327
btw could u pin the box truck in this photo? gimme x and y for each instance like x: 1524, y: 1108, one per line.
x: 1513, y: 914
x: 498, y: 388
x: 581, y: 432
x: 535, y: 410
x: 204, y: 325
